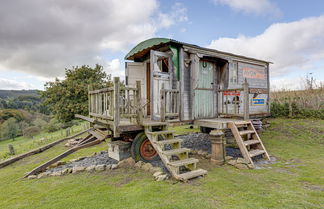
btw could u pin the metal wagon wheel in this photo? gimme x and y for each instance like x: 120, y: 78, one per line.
x: 142, y: 149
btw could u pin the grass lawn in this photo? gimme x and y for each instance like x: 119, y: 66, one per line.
x: 295, y: 181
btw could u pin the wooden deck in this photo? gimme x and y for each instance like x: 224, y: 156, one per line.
x: 216, y: 123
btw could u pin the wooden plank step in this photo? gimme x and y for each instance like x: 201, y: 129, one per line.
x: 242, y: 122
x: 256, y: 152
x: 250, y: 142
x: 169, y: 141
x: 192, y: 174
x: 246, y: 132
x: 155, y: 123
x: 179, y: 163
x: 160, y: 132
x: 97, y: 134
x: 175, y: 151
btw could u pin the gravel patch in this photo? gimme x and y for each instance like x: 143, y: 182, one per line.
x: 200, y: 141
x: 194, y: 141
x: 98, y: 159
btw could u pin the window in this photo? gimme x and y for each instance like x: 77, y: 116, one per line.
x: 233, y: 73
x: 163, y: 64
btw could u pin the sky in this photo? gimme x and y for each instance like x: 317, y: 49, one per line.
x: 40, y: 39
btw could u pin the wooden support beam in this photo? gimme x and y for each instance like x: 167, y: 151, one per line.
x: 246, y: 100
x: 61, y: 156
x: 139, y: 102
x: 116, y: 106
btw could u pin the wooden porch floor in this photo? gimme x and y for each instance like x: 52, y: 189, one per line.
x: 216, y: 123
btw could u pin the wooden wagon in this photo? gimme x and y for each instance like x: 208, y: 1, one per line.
x: 171, y: 82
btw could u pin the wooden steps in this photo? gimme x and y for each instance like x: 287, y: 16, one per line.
x: 256, y: 152
x: 192, y: 174
x: 169, y: 141
x: 176, y: 159
x: 187, y: 161
x: 246, y: 132
x: 248, y: 140
x: 176, y: 151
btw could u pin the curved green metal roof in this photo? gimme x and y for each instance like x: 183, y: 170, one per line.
x: 146, y: 44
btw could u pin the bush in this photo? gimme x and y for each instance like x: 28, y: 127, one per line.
x: 40, y: 123
x: 53, y: 125
x: 9, y: 129
x: 282, y: 110
x: 31, y: 131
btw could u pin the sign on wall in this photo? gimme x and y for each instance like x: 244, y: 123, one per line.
x: 258, y: 101
x: 232, y: 93
x: 253, y: 73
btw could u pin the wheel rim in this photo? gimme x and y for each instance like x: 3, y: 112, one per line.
x: 147, y: 151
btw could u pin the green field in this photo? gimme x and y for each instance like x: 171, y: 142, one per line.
x: 295, y: 181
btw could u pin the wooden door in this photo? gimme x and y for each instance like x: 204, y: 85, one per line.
x: 161, y: 74
x: 204, y: 91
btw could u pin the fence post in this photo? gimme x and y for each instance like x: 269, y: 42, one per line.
x: 89, y: 100
x: 116, y: 106
x: 11, y: 149
x: 162, y: 103
x: 139, y: 102
x: 246, y: 100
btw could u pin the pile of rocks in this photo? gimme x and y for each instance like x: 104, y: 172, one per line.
x: 72, y: 142
x: 158, y: 173
x: 239, y: 163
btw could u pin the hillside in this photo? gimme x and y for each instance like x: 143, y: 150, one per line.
x: 5, y: 94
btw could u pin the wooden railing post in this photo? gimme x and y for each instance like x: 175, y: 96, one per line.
x: 89, y: 100
x: 246, y: 100
x: 139, y: 102
x: 162, y: 103
x: 116, y: 106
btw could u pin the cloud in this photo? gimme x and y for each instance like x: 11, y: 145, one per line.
x: 45, y: 37
x: 258, y: 7
x: 115, y: 69
x: 292, y: 46
x: 177, y: 14
x: 8, y: 84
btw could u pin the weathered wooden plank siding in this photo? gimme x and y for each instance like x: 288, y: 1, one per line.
x: 186, y: 99
x: 256, y: 76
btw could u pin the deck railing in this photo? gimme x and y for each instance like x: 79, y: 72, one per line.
x: 224, y: 101
x: 169, y: 104
x: 115, y: 103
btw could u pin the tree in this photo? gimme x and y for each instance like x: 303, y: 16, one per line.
x: 31, y: 131
x: 40, y: 123
x: 9, y: 129
x: 68, y: 97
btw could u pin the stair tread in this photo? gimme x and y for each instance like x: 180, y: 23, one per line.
x: 168, y: 141
x: 160, y: 132
x: 187, y: 161
x: 246, y: 132
x: 250, y: 142
x: 175, y: 151
x: 157, y: 123
x: 256, y: 152
x: 242, y: 122
x: 192, y: 174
